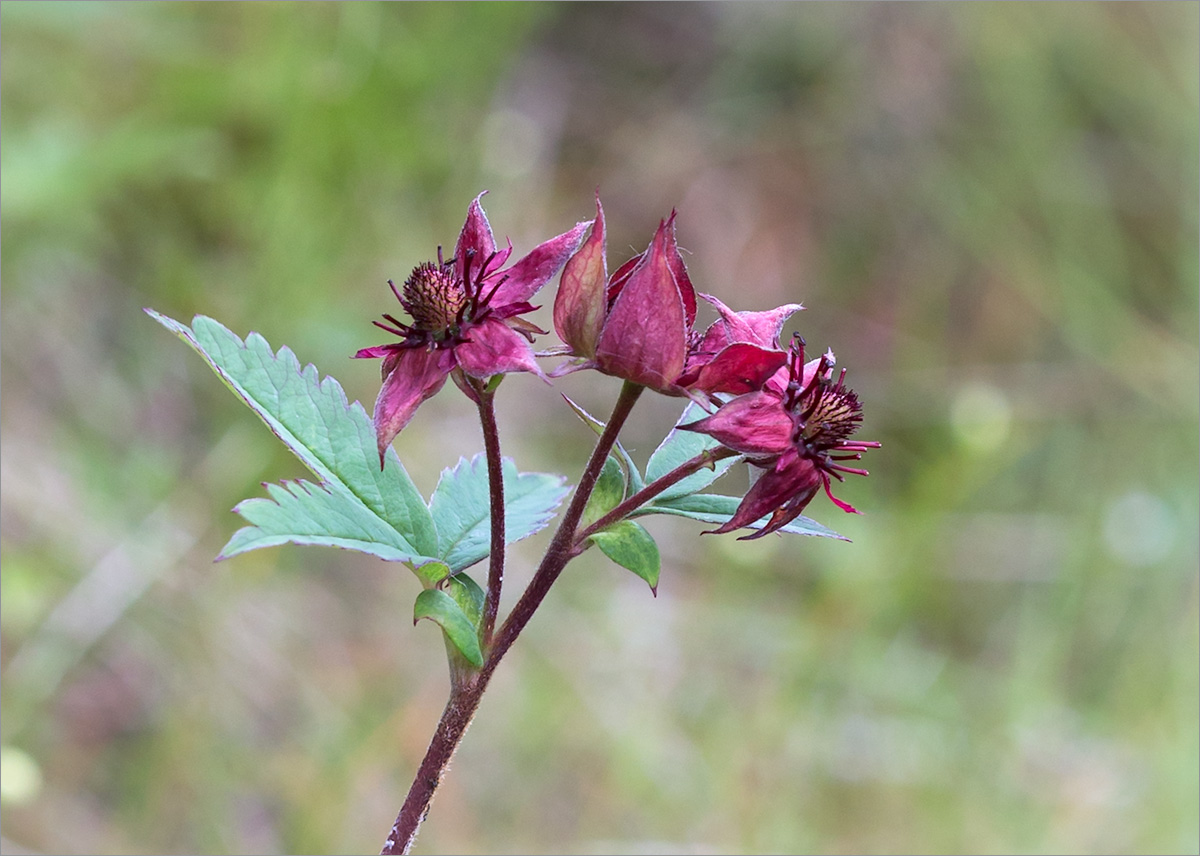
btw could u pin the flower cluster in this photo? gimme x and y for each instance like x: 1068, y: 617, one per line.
x: 789, y: 417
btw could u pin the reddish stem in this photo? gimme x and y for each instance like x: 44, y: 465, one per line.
x: 491, y: 445
x: 465, y: 695
x: 704, y: 459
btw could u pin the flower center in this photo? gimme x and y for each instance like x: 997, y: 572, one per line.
x: 824, y: 412
x: 434, y: 297
x: 832, y: 417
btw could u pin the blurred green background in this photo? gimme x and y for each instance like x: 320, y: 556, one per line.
x: 990, y: 212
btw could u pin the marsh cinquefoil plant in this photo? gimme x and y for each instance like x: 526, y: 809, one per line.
x: 747, y: 399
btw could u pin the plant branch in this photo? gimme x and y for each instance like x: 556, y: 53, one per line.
x: 704, y: 459
x: 491, y: 445
x: 460, y: 709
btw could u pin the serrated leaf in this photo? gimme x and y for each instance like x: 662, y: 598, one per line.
x: 717, y: 508
x: 300, y: 512
x: 679, y: 447
x: 443, y: 610
x: 631, y: 546
x: 461, y: 508
x: 608, y: 493
x: 357, y: 505
x: 633, y: 476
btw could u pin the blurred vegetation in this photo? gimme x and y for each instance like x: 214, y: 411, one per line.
x: 990, y: 211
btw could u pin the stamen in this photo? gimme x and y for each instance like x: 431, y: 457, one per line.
x: 468, y: 257
x: 483, y: 271
x: 485, y: 301
x: 474, y: 288
x: 818, y: 378
x: 853, y: 470
x: 391, y: 330
x: 807, y: 414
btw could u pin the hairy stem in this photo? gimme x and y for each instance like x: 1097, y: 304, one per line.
x: 491, y: 445
x: 704, y: 459
x: 460, y: 709
x: 465, y: 696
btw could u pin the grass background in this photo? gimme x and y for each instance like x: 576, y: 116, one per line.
x: 990, y: 211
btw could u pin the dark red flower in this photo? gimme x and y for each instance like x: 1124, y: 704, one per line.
x: 464, y: 317
x: 798, y: 428
x: 637, y: 324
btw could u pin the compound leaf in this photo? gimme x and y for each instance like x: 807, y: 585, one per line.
x: 356, y: 505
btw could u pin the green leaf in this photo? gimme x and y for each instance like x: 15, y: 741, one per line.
x: 608, y: 493
x: 442, y: 609
x: 633, y: 477
x: 431, y: 573
x: 357, y: 505
x: 632, y: 547
x: 678, y: 448
x: 461, y: 508
x: 300, y: 512
x: 716, y: 508
x: 468, y: 595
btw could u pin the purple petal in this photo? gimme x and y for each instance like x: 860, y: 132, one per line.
x: 495, y: 348
x: 783, y: 491
x: 525, y: 278
x: 645, y: 335
x: 510, y: 310
x: 666, y: 235
x: 476, y: 238
x: 580, y: 304
x: 621, y: 276
x: 844, y: 506
x: 415, y: 375
x: 494, y: 275
x: 686, y: 293
x: 753, y: 424
x: 390, y: 354
x: 739, y: 368
x: 376, y: 352
x: 758, y: 328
